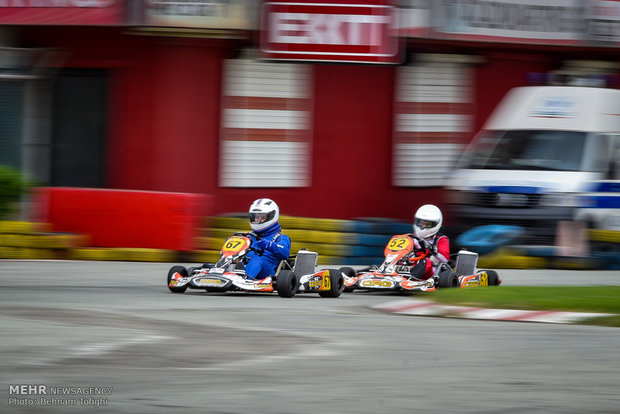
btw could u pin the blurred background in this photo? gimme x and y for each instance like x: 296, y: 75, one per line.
x: 351, y: 111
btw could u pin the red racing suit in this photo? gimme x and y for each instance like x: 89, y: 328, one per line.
x: 425, y: 268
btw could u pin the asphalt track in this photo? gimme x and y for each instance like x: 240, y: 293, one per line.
x: 113, y: 330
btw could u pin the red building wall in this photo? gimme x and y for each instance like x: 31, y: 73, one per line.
x: 353, y: 124
x: 167, y: 122
x: 165, y: 110
x: 351, y: 152
x: 501, y: 71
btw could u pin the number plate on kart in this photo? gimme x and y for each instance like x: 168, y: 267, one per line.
x: 235, y: 245
x: 397, y: 243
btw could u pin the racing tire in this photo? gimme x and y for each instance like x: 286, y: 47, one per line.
x: 183, y: 272
x: 448, y: 279
x: 350, y: 272
x: 336, y: 285
x: 286, y: 284
x: 493, y: 277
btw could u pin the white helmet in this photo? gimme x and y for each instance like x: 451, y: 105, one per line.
x: 427, y: 221
x: 263, y: 213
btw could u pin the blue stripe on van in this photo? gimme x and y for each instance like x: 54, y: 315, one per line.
x: 606, y: 187
x: 602, y: 201
x: 607, y: 195
x: 511, y: 189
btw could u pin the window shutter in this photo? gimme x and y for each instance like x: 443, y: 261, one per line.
x: 265, y: 125
x: 432, y: 121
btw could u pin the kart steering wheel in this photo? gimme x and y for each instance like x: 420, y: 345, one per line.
x: 417, y: 258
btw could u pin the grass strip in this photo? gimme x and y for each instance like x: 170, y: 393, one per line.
x: 603, y: 299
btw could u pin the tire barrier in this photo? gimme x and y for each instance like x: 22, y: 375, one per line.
x: 486, y: 239
x: 605, y: 248
x: 32, y: 240
x: 337, y: 241
x: 340, y: 242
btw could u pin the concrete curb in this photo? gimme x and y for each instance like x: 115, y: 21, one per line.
x: 416, y: 307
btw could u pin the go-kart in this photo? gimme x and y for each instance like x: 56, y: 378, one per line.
x: 298, y: 275
x: 400, y: 257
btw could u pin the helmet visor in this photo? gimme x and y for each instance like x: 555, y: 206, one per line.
x: 259, y: 218
x: 425, y: 224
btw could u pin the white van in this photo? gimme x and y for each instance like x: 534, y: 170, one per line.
x: 546, y: 154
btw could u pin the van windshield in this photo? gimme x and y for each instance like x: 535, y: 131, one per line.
x: 526, y: 150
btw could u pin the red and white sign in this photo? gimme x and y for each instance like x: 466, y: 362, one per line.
x: 63, y: 12
x: 315, y: 30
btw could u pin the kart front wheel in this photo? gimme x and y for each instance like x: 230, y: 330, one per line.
x: 180, y: 270
x: 286, y: 284
x: 350, y: 272
x: 336, y: 284
x: 448, y: 279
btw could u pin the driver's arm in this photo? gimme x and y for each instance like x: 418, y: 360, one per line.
x: 280, y: 248
x: 443, y: 249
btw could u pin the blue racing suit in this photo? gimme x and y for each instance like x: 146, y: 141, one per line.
x: 276, y: 247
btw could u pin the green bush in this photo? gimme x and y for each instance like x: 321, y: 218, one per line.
x: 12, y: 187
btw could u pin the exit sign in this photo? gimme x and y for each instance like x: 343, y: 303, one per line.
x: 360, y: 31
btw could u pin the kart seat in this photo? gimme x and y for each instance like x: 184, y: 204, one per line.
x: 466, y: 263
x: 305, y: 262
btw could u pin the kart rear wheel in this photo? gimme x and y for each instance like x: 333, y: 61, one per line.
x: 336, y: 284
x: 493, y: 277
x: 286, y: 284
x: 448, y: 279
x: 350, y: 272
x: 183, y: 272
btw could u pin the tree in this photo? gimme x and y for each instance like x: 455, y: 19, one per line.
x: 12, y: 187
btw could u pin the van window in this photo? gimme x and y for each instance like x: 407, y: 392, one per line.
x: 614, y: 167
x: 527, y: 150
x: 598, y: 153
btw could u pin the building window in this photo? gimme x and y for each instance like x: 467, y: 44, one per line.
x: 79, y: 129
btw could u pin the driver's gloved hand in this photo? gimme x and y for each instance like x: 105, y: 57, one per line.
x: 424, y: 245
x: 416, y: 244
x: 265, y: 244
x: 433, y: 249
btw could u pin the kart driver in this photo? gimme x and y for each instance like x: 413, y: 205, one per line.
x: 275, y: 246
x: 426, y: 224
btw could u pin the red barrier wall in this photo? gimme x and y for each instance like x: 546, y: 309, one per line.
x: 122, y: 218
